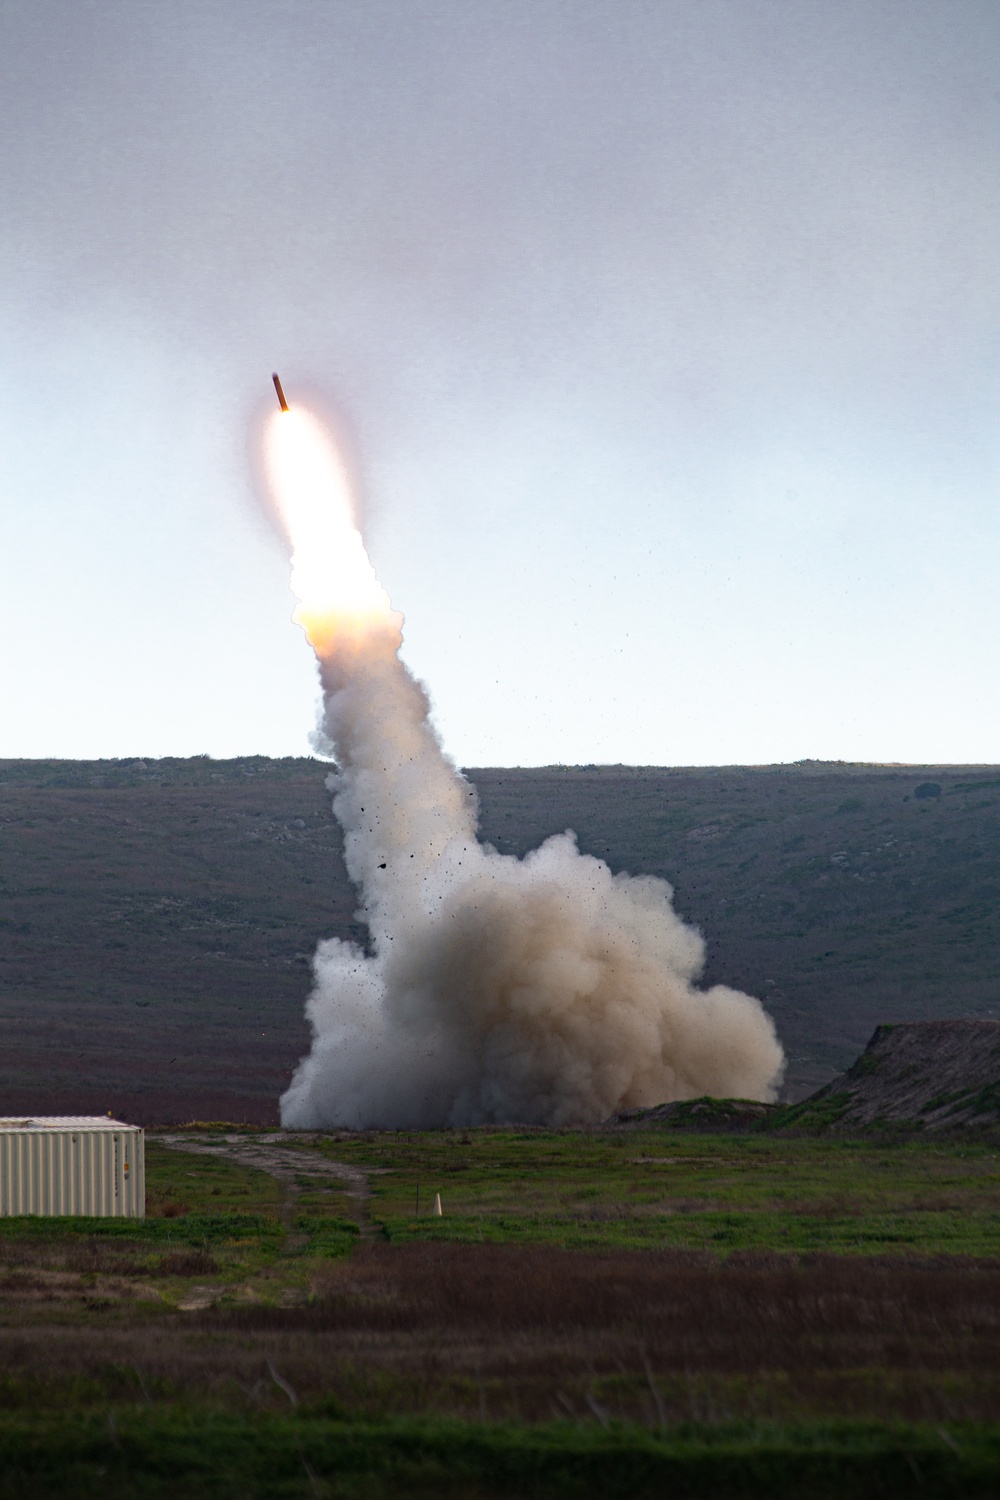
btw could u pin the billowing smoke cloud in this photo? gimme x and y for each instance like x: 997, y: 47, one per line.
x: 544, y: 990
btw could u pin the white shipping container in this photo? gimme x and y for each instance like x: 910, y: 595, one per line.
x: 72, y: 1164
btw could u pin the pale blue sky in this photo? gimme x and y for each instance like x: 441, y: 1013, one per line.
x: 669, y: 334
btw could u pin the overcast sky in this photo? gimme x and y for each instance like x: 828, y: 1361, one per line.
x: 667, y: 334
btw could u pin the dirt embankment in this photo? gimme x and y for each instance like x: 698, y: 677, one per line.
x: 939, y: 1074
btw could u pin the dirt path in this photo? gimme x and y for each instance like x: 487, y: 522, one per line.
x: 272, y: 1154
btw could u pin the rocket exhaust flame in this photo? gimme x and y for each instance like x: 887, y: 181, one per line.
x: 545, y: 990
x: 332, y: 577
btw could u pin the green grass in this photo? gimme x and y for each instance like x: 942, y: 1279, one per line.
x: 181, y: 1182
x: 246, y: 1231
x: 132, y: 1454
x: 664, y: 1188
x: 317, y: 1222
x: 871, y: 1234
x: 642, y: 1189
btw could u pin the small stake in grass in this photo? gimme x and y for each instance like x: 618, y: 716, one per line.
x: 437, y: 1205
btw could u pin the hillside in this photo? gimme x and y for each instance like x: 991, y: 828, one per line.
x: 157, y: 918
x: 936, y: 1074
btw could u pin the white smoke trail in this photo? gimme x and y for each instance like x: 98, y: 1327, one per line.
x: 545, y: 990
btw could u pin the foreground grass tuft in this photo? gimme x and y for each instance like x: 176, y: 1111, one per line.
x: 165, y: 1454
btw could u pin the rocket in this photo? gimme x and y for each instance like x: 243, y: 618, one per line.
x: 281, y: 395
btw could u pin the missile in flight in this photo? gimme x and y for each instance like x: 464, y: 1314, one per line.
x: 281, y: 395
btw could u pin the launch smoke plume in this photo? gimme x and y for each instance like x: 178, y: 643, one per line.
x: 545, y: 989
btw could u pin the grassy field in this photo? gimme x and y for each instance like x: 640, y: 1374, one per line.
x: 664, y: 1189
x: 621, y: 1313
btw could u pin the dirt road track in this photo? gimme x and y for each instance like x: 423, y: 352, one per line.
x: 287, y: 1163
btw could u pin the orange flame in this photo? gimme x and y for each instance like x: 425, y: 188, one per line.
x: 337, y: 589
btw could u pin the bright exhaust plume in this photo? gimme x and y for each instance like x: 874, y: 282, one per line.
x: 332, y: 576
x: 545, y: 990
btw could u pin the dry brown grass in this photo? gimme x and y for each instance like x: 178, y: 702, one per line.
x: 528, y: 1333
x: 685, y: 1307
x: 187, y: 1263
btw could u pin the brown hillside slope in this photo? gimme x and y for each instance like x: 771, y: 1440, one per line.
x: 938, y: 1074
